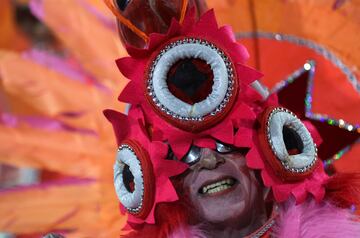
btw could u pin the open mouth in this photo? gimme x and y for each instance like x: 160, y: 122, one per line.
x: 217, y: 187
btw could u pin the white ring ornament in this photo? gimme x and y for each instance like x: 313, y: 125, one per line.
x: 184, y: 51
x: 130, y: 200
x: 298, y: 162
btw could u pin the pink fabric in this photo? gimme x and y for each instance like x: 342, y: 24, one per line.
x: 283, y: 189
x: 313, y: 220
x: 188, y: 231
x: 133, y: 127
x: 308, y: 220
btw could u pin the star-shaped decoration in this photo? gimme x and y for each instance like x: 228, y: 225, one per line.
x: 330, y: 88
x: 337, y: 134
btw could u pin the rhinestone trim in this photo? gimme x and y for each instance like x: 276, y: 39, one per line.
x: 310, y: 66
x: 229, y: 67
x: 284, y: 163
x: 264, y: 229
x: 138, y: 208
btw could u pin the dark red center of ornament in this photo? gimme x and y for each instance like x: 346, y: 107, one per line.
x: 190, y: 80
x: 293, y: 142
x: 128, y: 179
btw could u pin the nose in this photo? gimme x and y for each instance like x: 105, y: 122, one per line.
x: 209, y: 159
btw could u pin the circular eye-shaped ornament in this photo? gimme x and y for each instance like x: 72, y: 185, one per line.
x: 134, y: 179
x: 287, y: 144
x: 191, y: 83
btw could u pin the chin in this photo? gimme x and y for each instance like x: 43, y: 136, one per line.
x: 227, y: 214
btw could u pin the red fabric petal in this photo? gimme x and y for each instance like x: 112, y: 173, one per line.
x: 267, y: 179
x: 227, y: 30
x: 166, y: 168
x: 166, y: 192
x: 281, y: 192
x: 127, y: 227
x: 224, y: 132
x: 119, y: 122
x: 205, y: 143
x: 130, y: 94
x: 251, y: 97
x: 180, y: 147
x: 132, y: 220
x: 318, y: 192
x: 137, y: 52
x: 207, y: 24
x: 246, y: 74
x: 130, y: 67
x: 244, y: 137
x: 151, y: 217
x: 253, y: 159
x: 299, y: 193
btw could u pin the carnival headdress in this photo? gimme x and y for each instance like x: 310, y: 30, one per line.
x: 191, y: 87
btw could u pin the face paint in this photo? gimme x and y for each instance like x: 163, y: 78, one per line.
x: 225, y: 193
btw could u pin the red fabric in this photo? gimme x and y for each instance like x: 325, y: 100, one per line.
x: 135, y: 129
x: 134, y: 68
x: 344, y: 190
x: 277, y: 178
x: 333, y: 93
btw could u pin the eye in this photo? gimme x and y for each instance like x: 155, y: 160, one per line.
x: 292, y: 150
x: 134, y: 179
x: 191, y: 83
x: 121, y: 4
x: 193, y: 155
x: 222, y: 148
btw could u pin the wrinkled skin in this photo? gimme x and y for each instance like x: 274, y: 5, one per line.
x: 235, y: 212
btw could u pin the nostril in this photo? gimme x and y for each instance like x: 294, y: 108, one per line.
x: 220, y: 160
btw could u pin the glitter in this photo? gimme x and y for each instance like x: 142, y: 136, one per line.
x: 339, y: 154
x: 327, y: 54
x: 341, y: 123
x: 307, y: 66
x: 278, y: 37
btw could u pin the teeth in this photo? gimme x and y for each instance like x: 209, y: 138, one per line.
x: 218, y: 186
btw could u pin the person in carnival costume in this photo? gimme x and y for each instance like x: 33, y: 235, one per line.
x: 205, y: 150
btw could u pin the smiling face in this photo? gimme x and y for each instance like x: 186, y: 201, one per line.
x: 223, y: 191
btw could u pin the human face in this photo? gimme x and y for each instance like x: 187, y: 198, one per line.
x: 222, y: 190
